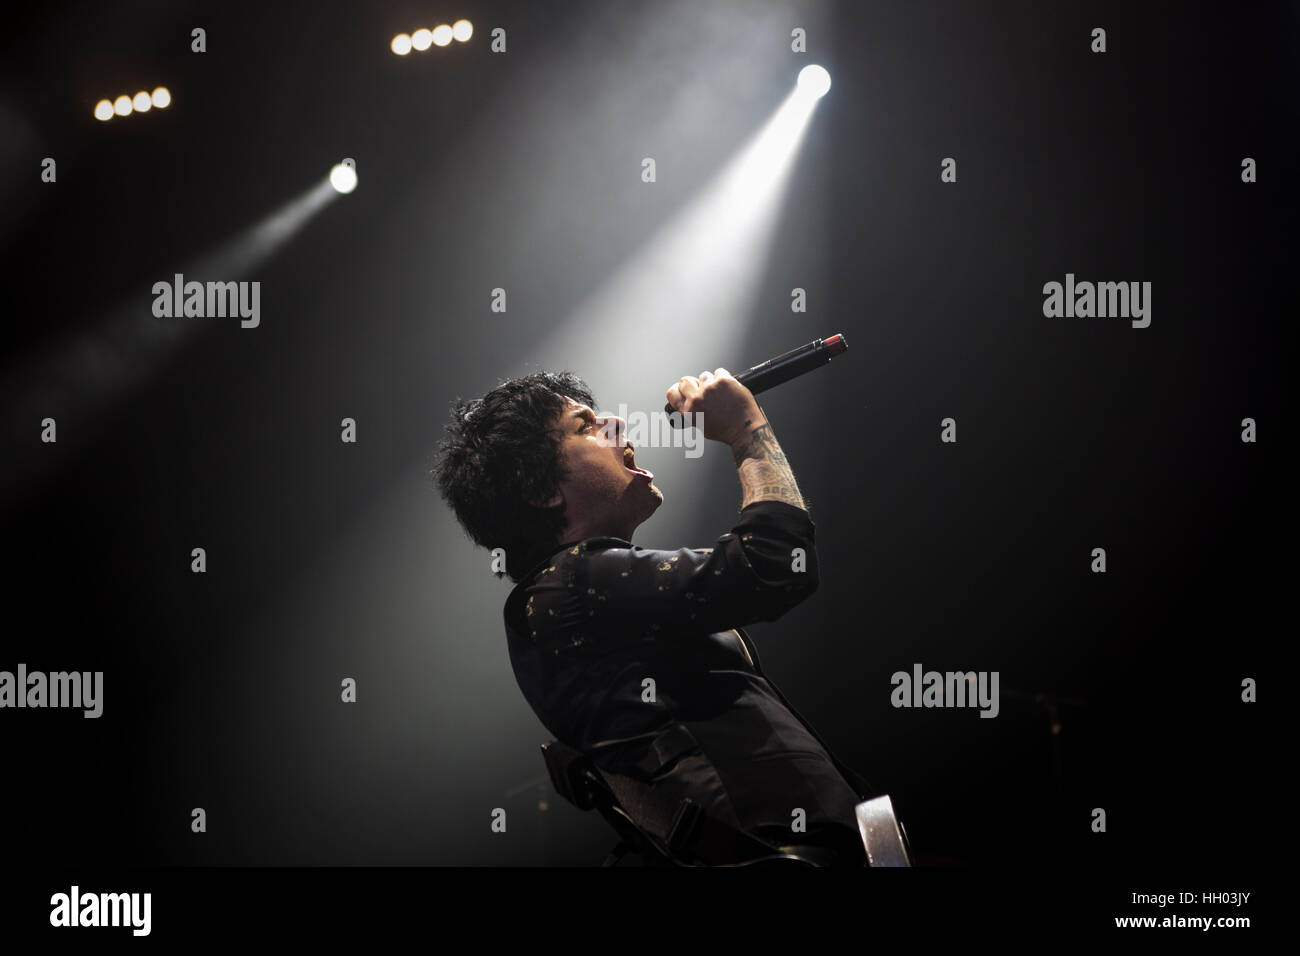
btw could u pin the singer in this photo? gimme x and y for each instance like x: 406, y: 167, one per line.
x: 635, y: 656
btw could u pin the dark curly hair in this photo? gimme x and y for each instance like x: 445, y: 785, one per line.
x: 500, y: 457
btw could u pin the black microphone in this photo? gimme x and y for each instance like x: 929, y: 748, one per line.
x: 776, y: 371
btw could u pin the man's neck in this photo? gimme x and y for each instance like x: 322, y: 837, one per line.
x: 583, y: 532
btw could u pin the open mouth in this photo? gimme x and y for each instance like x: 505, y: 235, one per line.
x: 629, y: 462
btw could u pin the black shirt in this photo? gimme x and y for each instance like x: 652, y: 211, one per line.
x: 593, y: 625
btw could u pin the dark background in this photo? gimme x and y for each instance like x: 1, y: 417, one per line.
x: 522, y: 171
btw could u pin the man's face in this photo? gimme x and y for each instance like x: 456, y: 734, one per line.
x: 602, y: 493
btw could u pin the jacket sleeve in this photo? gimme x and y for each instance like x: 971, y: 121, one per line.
x: 757, y: 571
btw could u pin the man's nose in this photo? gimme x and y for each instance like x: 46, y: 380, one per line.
x: 614, y: 428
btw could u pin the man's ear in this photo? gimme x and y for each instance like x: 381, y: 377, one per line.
x: 557, y: 500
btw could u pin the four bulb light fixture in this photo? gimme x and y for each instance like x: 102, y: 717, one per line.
x: 125, y: 105
x: 441, y: 35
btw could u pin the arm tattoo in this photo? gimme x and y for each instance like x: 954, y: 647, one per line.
x: 765, y: 473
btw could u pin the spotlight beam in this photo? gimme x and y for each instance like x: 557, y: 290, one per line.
x: 682, y: 302
x: 80, y: 379
x: 708, y: 256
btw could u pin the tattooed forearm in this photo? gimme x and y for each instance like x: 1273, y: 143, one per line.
x: 765, y: 473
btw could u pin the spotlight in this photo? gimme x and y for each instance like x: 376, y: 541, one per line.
x: 401, y: 44
x: 162, y: 98
x: 122, y: 105
x: 462, y: 30
x: 141, y: 103
x: 442, y: 34
x: 103, y: 110
x: 421, y: 39
x: 815, y: 81
x: 343, y: 178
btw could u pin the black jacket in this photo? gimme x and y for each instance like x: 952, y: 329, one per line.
x: 592, y: 625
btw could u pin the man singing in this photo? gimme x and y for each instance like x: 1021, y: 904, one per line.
x: 532, y: 469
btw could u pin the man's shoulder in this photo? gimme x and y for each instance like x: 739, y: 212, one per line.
x: 538, y: 598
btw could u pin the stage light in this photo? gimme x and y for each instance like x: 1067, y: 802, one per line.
x: 462, y: 30
x: 442, y: 34
x: 815, y: 81
x: 162, y: 98
x: 141, y: 103
x: 122, y: 105
x: 103, y: 110
x: 343, y: 178
x: 421, y: 39
x: 401, y: 44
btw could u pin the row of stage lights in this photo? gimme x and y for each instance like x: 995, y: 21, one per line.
x: 440, y: 35
x: 125, y: 105
x: 813, y: 81
x: 402, y: 44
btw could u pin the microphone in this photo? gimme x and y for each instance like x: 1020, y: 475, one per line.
x: 776, y: 371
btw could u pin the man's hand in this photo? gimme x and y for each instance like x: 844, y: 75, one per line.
x: 727, y: 410
x: 730, y: 414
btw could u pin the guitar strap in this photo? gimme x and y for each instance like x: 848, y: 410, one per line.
x: 680, y: 829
